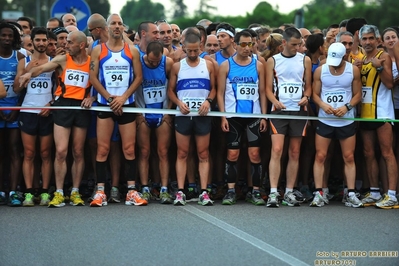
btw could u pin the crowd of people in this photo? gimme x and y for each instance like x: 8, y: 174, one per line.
x: 262, y: 114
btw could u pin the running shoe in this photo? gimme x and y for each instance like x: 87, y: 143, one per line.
x: 290, y: 199
x: 100, y: 199
x: 255, y: 198
x: 75, y: 199
x: 14, y: 200
x: 353, y: 201
x: 230, y: 198
x: 192, y: 194
x: 92, y: 194
x: 135, y: 198
x: 298, y: 196
x: 115, y: 196
x: 146, y: 195
x: 3, y: 199
x: 28, y: 202
x: 155, y: 193
x: 273, y: 199
x: 307, y: 194
x: 219, y: 193
x: 318, y: 200
x: 180, y: 199
x: 369, y: 200
x: 44, y: 199
x: 165, y: 198
x: 57, y: 201
x: 204, y: 199
x: 387, y: 202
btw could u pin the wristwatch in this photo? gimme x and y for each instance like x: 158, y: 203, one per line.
x: 379, y: 69
x: 349, y: 106
x: 110, y: 99
x: 209, y: 100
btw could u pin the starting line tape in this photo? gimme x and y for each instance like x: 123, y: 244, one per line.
x: 175, y: 112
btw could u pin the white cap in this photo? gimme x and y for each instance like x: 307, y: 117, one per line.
x: 336, y: 52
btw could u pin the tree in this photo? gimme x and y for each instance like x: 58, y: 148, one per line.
x: 179, y: 9
x: 99, y: 6
x: 205, y: 9
x: 136, y: 11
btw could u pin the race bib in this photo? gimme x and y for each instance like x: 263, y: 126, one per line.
x: 39, y: 86
x: 367, y: 95
x: 154, y: 94
x: 9, y: 86
x: 117, y: 78
x: 290, y: 93
x: 335, y: 99
x: 194, y: 103
x: 76, y: 78
x: 247, y: 91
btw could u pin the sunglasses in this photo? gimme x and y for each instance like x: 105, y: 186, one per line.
x: 90, y: 30
x: 245, y: 44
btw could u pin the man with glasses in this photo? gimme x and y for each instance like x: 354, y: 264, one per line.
x: 288, y: 88
x: 241, y: 89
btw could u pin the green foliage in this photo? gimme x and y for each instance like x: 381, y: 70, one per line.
x: 179, y: 9
x: 137, y: 11
x: 205, y: 9
x: 99, y: 6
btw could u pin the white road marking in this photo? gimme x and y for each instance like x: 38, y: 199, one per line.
x: 256, y: 242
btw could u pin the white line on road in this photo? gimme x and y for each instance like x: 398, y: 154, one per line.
x: 275, y: 252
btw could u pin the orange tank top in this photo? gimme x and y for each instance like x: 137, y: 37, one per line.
x: 74, y: 80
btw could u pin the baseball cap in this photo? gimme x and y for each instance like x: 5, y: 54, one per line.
x: 336, y: 52
x: 59, y: 30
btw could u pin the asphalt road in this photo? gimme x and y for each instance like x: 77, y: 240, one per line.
x: 156, y: 234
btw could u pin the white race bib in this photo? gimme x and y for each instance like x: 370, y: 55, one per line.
x: 247, y: 91
x: 367, y: 95
x: 39, y: 86
x: 154, y: 94
x: 335, y: 99
x: 117, y: 78
x: 194, y: 103
x: 290, y: 93
x: 9, y: 86
x: 76, y: 78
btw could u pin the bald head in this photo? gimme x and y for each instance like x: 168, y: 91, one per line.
x: 305, y: 33
x: 109, y: 19
x: 71, y: 28
x: 96, y: 20
x: 78, y: 36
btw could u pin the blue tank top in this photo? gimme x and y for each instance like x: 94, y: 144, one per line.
x: 153, y: 93
x: 219, y: 57
x: 203, y: 54
x: 142, y: 53
x: 242, y: 88
x: 8, y: 71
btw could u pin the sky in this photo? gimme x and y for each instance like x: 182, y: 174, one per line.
x: 224, y: 7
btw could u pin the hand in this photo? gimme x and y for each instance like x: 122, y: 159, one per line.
x: 24, y: 80
x: 117, y: 102
x: 12, y: 116
x: 278, y: 105
x: 341, y: 111
x: 45, y: 112
x: 33, y: 63
x: 87, y: 102
x: 224, y: 124
x: 377, y: 62
x: 204, y: 108
x: 263, y: 125
x: 118, y: 112
x: 2, y: 115
x: 303, y: 101
x: 183, y: 108
x: 327, y: 109
x: 358, y: 63
x: 60, y: 51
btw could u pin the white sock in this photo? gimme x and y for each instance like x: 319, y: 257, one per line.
x: 392, y: 194
x: 100, y: 188
x: 375, y: 194
x: 74, y: 189
x: 273, y: 190
x: 288, y: 190
x: 60, y: 191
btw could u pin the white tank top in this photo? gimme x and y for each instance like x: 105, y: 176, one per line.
x: 336, y: 91
x: 288, y: 85
x: 193, y: 84
x: 395, y: 74
x: 39, y: 91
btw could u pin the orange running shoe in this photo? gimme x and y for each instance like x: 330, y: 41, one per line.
x: 135, y: 198
x: 100, y: 199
